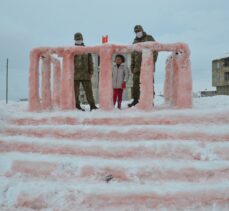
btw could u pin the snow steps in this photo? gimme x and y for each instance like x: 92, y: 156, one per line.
x: 126, y: 119
x: 154, y: 163
x: 121, y: 133
x: 188, y: 150
x: 158, y: 171
x: 113, y: 196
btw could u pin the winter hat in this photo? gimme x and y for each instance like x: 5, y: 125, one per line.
x: 138, y: 28
x: 78, y: 36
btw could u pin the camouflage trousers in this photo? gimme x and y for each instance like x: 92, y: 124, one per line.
x: 136, y: 86
x: 88, y: 91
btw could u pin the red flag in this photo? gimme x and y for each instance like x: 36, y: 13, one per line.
x: 104, y: 39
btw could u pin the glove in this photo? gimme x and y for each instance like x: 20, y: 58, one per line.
x: 124, y: 85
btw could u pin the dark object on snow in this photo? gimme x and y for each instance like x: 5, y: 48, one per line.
x: 93, y: 107
x: 208, y: 93
x: 108, y: 178
x: 133, y: 103
x: 79, y: 107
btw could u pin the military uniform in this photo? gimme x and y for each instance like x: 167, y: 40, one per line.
x: 83, y: 71
x: 136, y: 60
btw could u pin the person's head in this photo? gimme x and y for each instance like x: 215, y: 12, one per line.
x: 78, y: 37
x: 138, y: 30
x: 119, y: 59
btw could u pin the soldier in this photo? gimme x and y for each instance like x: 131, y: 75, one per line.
x: 83, y: 71
x: 136, y: 59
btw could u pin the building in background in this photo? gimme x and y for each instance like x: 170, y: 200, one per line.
x: 220, y: 75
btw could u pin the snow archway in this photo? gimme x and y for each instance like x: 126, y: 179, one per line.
x: 177, y: 85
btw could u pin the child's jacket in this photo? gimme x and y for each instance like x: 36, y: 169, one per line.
x: 119, y: 75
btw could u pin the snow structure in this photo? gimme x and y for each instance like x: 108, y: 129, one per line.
x: 177, y: 88
x: 166, y: 160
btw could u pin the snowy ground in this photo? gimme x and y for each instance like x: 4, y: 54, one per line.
x: 167, y: 159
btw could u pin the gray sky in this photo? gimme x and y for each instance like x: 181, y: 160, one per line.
x: 25, y: 24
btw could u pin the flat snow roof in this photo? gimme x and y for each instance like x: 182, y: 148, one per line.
x: 226, y: 55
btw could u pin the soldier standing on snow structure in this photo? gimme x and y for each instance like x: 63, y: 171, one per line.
x: 136, y: 60
x: 83, y: 71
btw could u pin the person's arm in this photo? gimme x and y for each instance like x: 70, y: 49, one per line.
x: 90, y: 64
x: 132, y: 66
x: 126, y: 74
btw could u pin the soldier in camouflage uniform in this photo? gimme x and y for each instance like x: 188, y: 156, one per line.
x: 83, y: 71
x: 136, y: 60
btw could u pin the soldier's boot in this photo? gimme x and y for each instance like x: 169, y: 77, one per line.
x: 133, y: 103
x: 93, y: 107
x: 79, y: 107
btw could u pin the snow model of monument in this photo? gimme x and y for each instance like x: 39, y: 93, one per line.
x: 177, y: 84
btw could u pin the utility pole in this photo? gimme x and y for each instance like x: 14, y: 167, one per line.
x: 7, y: 64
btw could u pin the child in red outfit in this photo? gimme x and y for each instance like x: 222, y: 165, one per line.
x: 120, y: 75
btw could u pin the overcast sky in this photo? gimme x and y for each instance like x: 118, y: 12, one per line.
x: 25, y: 24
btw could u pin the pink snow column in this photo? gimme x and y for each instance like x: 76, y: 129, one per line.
x: 56, y: 81
x: 46, y: 87
x: 34, y: 101
x: 168, y: 80
x: 105, y: 79
x: 67, y: 97
x: 184, y: 82
x: 146, y: 81
x: 178, y: 79
x: 175, y: 78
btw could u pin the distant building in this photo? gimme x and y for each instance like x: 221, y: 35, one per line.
x: 95, y: 81
x: 220, y: 75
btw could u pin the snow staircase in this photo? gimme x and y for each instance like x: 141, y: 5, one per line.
x: 93, y: 161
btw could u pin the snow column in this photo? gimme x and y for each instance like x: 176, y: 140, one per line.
x: 56, y: 82
x: 174, y: 81
x: 105, y: 78
x: 67, y: 96
x: 168, y: 80
x: 46, y: 87
x: 184, y: 81
x: 34, y: 101
x: 146, y: 81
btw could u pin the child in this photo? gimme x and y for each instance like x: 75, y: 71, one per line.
x: 120, y: 75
